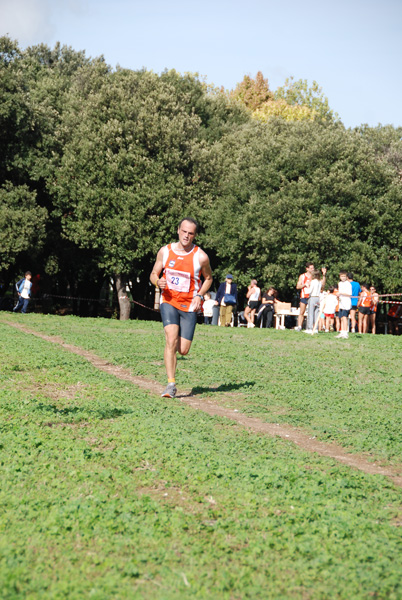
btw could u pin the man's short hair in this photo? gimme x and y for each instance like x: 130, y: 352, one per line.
x: 190, y: 220
x: 350, y: 276
x: 309, y: 264
x: 28, y: 273
x: 343, y: 272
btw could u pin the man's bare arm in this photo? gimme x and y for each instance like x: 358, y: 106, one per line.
x: 156, y: 271
x: 300, y: 285
x: 206, y: 273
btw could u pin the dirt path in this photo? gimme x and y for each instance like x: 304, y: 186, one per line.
x: 286, y: 432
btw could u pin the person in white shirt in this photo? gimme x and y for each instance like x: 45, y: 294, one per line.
x: 23, y: 287
x: 330, y: 304
x: 207, y: 308
x: 253, y: 296
x: 313, y: 304
x: 345, y: 303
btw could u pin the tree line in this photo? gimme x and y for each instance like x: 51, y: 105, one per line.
x: 98, y: 165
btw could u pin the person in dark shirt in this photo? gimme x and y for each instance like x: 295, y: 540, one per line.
x: 267, y: 308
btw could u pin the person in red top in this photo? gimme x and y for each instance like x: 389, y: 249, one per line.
x: 182, y: 264
x: 303, y: 284
x: 364, y: 306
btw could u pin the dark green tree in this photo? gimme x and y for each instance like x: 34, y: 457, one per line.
x: 129, y: 167
x: 301, y: 191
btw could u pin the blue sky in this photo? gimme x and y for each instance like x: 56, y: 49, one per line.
x: 352, y: 48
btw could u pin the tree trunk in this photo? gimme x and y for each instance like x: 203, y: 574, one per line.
x: 124, y: 302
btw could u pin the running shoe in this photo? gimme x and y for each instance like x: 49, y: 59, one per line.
x: 170, y: 391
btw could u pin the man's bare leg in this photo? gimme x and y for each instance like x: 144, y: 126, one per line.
x: 300, y: 318
x: 171, y: 348
x: 174, y: 344
x: 353, y: 319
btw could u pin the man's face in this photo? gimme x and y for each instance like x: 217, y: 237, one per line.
x: 310, y: 268
x: 343, y: 276
x: 186, y: 233
x: 228, y: 280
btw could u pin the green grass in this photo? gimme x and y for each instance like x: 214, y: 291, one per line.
x: 346, y: 391
x: 110, y: 492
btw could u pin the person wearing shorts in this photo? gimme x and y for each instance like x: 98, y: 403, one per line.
x: 364, y: 306
x: 330, y: 306
x: 182, y: 264
x: 345, y: 303
x: 253, y: 297
x: 303, y: 284
x: 356, y: 289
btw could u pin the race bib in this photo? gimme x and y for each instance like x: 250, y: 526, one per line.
x: 178, y: 281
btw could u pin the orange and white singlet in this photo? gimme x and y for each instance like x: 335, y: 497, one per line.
x: 365, y: 299
x: 183, y: 277
x: 306, y: 281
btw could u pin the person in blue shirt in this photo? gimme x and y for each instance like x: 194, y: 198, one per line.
x: 356, y: 289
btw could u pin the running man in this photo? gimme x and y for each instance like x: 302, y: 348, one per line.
x: 181, y: 264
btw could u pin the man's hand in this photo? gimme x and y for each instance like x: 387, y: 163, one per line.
x: 161, y: 283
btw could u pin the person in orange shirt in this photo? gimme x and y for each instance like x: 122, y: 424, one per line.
x: 182, y: 264
x: 394, y: 314
x: 364, y: 307
x: 303, y: 284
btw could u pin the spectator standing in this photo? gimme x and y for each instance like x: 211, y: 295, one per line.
x: 303, y: 283
x: 314, y: 292
x: 253, y: 296
x: 375, y: 299
x: 330, y: 306
x: 226, y: 299
x: 364, y: 306
x: 356, y: 289
x: 345, y: 302
x: 267, y: 308
x: 207, y: 308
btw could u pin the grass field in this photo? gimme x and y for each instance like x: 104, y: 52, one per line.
x: 111, y: 492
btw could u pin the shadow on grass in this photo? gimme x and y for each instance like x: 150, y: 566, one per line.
x: 225, y: 387
x: 106, y: 413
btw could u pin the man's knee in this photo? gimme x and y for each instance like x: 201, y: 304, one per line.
x: 172, y: 341
x: 183, y: 346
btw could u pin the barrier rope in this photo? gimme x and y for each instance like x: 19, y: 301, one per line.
x: 156, y: 310
x: 73, y: 298
x: 95, y: 300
